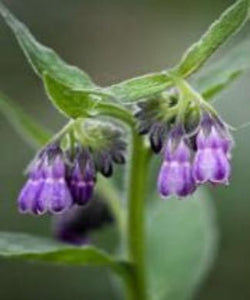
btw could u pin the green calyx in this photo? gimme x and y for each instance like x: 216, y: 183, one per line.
x: 92, y: 134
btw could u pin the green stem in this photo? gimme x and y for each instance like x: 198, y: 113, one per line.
x: 136, y: 197
x: 116, y: 112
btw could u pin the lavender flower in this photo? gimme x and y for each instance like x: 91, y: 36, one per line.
x: 46, y: 189
x: 60, y: 178
x: 175, y: 177
x: 212, y: 159
x: 82, y: 178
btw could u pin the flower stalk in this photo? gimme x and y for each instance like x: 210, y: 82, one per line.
x: 136, y: 226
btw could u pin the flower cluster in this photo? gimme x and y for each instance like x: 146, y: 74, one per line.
x: 193, y: 160
x: 190, y: 156
x: 58, y: 178
x: 154, y: 117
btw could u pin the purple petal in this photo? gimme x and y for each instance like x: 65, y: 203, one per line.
x: 61, y: 199
x: 204, y: 165
x: 28, y: 195
x: 58, y: 167
x: 175, y: 179
x: 201, y: 140
x: 82, y: 191
x: 188, y: 186
x: 211, y: 165
x: 223, y: 170
x: 55, y: 196
x: 182, y: 153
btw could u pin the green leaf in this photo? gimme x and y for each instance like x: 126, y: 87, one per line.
x: 221, y: 73
x: 32, y: 132
x: 71, y: 103
x: 181, y: 245
x: 140, y: 87
x: 80, y: 104
x: 26, y: 247
x: 44, y: 59
x: 229, y: 22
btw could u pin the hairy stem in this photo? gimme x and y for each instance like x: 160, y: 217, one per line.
x: 117, y: 112
x: 136, y: 236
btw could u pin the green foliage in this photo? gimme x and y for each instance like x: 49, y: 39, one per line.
x: 230, y: 21
x: 71, y: 103
x: 44, y: 59
x: 221, y: 73
x: 23, y: 124
x: 26, y: 247
x: 72, y: 91
x: 181, y: 236
x: 140, y: 87
x: 181, y: 245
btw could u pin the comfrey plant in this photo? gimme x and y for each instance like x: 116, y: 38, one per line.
x: 162, y: 115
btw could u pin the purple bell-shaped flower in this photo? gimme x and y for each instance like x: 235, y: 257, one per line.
x: 175, y: 177
x: 46, y: 189
x: 212, y: 159
x: 82, y: 179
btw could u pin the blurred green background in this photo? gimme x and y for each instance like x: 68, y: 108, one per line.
x: 113, y: 40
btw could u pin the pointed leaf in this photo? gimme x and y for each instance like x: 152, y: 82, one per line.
x: 44, y: 59
x: 69, y: 102
x: 221, y: 73
x: 181, y: 245
x: 77, y: 104
x: 32, y: 132
x: 229, y: 22
x: 26, y: 247
x: 140, y: 87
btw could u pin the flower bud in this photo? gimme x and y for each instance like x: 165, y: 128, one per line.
x: 82, y: 178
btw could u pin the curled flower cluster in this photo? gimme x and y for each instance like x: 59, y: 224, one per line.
x: 59, y: 179
x: 152, y: 120
x: 189, y: 161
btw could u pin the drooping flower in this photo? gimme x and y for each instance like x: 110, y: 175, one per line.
x: 64, y: 172
x: 175, y: 177
x: 75, y: 225
x: 46, y: 189
x: 82, y: 178
x: 212, y: 158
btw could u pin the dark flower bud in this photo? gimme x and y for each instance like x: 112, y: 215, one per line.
x: 154, y: 117
x: 157, y: 136
x: 82, y: 178
x: 103, y: 161
x: 106, y: 145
